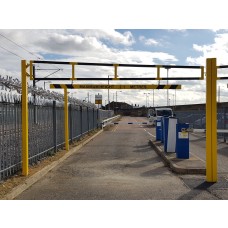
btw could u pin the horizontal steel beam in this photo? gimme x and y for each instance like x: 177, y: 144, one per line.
x: 90, y: 86
x: 112, y: 64
x: 121, y: 79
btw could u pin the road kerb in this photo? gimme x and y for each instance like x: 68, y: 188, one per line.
x: 174, y: 167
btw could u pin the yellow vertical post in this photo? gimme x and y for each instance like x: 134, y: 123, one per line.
x: 158, y: 72
x: 211, y: 121
x: 25, y: 154
x: 66, y: 119
x: 115, y: 71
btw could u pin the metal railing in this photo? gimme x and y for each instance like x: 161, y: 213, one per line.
x: 46, y: 131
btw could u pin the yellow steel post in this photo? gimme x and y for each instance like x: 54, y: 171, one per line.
x: 115, y: 71
x: 158, y: 72
x: 73, y: 71
x: 202, y: 73
x: 25, y: 154
x: 211, y: 121
x: 66, y: 119
x: 31, y: 70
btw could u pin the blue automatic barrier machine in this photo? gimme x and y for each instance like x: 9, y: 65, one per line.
x: 182, y: 141
x: 162, y: 139
x: 165, y: 132
x: 171, y: 141
x: 158, y: 130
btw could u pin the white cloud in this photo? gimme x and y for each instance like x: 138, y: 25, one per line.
x: 83, y: 46
x: 218, y: 49
x: 113, y: 36
x: 148, y: 42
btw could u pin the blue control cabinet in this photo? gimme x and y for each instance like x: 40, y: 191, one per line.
x: 182, y: 141
x: 158, y: 130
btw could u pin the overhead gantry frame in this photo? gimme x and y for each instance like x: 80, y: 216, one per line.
x: 211, y: 108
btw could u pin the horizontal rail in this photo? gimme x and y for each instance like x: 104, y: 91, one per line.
x: 112, y: 64
x: 107, y: 121
x: 126, y: 123
x: 204, y: 130
x: 121, y: 79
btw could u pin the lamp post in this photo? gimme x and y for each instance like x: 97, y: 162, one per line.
x: 108, y: 95
x: 116, y: 95
x: 167, y: 68
x: 147, y: 100
x: 153, y: 98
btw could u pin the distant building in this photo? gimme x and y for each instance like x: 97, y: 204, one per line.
x: 117, y: 106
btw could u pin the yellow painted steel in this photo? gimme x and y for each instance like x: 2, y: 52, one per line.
x: 202, y: 73
x: 211, y: 121
x: 31, y: 70
x: 158, y: 72
x: 73, y: 70
x: 66, y: 126
x: 115, y: 71
x: 94, y: 86
x: 25, y: 154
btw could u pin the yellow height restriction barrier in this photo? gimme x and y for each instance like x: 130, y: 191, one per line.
x: 91, y: 86
x: 211, y: 121
x: 24, y: 74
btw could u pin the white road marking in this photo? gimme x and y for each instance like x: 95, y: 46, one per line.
x: 149, y: 133
x: 115, y: 128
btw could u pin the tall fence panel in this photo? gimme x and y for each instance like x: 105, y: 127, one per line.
x: 46, y: 131
x: 197, y: 119
x: 10, y: 139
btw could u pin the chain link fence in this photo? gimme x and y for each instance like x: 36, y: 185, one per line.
x: 46, y: 130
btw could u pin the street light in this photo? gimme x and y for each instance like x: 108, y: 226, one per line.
x: 116, y: 95
x: 167, y: 68
x: 146, y: 99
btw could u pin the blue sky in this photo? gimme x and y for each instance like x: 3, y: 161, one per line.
x: 143, y: 46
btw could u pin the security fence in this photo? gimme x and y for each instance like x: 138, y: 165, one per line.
x: 46, y: 131
x: 197, y: 119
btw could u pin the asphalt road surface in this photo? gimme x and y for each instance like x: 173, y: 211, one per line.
x: 119, y: 164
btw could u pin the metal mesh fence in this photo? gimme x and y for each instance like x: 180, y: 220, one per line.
x: 46, y: 131
x: 197, y: 119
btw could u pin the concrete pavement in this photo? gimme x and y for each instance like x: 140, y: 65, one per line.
x: 120, y: 164
x: 117, y: 164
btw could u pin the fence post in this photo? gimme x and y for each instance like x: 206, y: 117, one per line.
x: 88, y: 118
x: 211, y: 120
x: 93, y: 119
x: 71, y: 125
x: 66, y: 124
x: 54, y: 126
x: 81, y: 120
x: 224, y: 124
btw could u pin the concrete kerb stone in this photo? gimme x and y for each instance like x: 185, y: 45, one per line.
x: 37, y: 176
x: 174, y: 167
